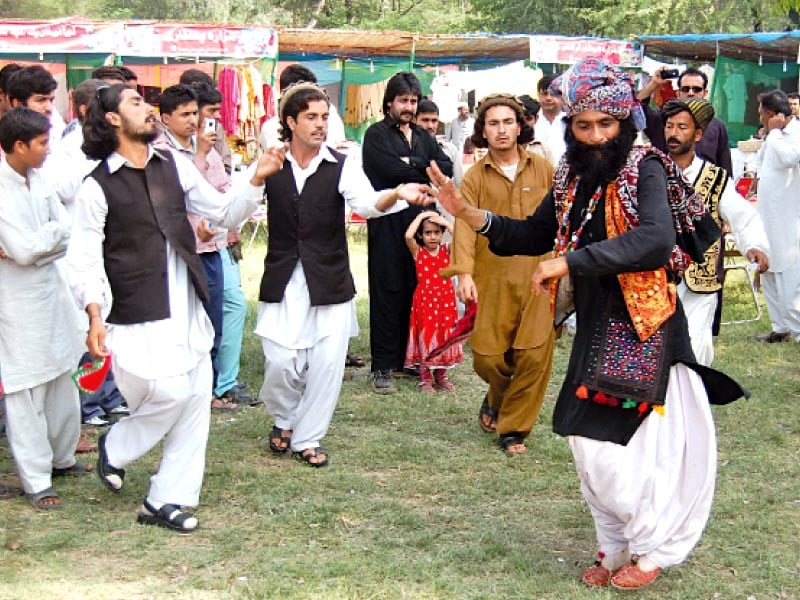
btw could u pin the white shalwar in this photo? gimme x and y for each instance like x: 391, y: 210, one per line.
x: 748, y: 231
x: 778, y: 166
x: 161, y: 367
x: 305, y: 346
x: 40, y: 344
x: 653, y: 496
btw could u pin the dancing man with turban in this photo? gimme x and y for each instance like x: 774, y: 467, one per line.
x: 634, y: 404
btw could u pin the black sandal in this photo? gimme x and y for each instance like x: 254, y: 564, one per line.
x: 278, y: 434
x: 487, y: 411
x: 169, y: 516
x: 105, y: 470
x: 507, y: 440
x: 76, y: 470
x: 310, y: 453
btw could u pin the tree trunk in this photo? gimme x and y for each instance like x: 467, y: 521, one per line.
x: 315, y: 10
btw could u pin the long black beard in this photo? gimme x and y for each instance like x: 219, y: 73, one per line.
x: 597, y: 164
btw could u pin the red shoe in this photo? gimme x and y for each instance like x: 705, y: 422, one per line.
x: 442, y: 382
x: 596, y: 575
x: 631, y: 577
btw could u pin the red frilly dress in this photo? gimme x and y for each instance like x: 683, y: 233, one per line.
x: 433, y: 312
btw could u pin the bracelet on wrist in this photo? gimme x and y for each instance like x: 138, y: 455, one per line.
x: 487, y: 223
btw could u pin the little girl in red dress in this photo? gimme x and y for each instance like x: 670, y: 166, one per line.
x: 433, y: 309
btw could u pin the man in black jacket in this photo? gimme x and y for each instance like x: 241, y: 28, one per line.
x: 396, y: 151
x: 307, y: 311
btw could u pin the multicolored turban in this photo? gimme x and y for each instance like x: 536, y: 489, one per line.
x: 593, y: 84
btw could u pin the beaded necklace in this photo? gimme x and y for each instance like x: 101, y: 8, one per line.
x: 564, y: 242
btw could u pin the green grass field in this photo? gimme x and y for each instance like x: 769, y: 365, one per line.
x: 417, y: 502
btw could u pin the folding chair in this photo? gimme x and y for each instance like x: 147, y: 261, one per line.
x: 730, y: 258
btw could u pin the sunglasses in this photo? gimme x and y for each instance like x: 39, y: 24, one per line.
x: 692, y: 88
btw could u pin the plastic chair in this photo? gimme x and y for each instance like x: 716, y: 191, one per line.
x: 356, y: 224
x: 730, y: 256
x: 258, y: 220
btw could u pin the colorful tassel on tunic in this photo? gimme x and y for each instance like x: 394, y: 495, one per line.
x: 599, y: 397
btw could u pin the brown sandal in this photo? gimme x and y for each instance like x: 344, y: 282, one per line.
x: 487, y: 416
x: 279, y: 439
x: 309, y: 454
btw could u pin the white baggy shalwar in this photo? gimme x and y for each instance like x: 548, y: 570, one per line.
x: 305, y: 346
x: 40, y: 343
x: 778, y: 166
x: 653, y: 496
x: 748, y: 231
x: 161, y: 367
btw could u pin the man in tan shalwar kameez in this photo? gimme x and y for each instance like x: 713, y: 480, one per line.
x: 512, y: 342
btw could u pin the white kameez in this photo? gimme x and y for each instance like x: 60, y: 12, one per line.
x: 749, y: 234
x: 778, y: 190
x: 40, y: 343
x: 653, y: 496
x: 304, y: 345
x: 161, y: 367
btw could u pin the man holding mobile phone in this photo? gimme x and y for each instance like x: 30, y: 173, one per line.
x: 778, y: 190
x: 692, y: 85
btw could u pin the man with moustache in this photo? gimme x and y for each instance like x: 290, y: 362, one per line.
x: 396, y: 151
x: 684, y: 123
x: 307, y: 309
x: 131, y: 231
x: 512, y: 343
x: 633, y: 403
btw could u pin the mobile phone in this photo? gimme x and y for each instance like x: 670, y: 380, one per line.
x: 210, y: 125
x: 669, y: 73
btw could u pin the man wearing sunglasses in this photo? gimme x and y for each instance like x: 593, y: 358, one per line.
x: 692, y: 85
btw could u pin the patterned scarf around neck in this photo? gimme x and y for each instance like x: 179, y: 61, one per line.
x: 685, y: 204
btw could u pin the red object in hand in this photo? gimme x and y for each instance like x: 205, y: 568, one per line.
x: 743, y: 186
x: 90, y: 376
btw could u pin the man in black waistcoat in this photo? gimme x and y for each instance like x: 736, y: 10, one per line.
x: 133, y: 238
x: 396, y: 150
x: 307, y: 311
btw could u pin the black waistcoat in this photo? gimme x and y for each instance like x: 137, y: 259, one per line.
x: 309, y: 227
x: 146, y: 208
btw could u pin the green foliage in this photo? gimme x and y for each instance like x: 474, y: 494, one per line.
x: 610, y: 18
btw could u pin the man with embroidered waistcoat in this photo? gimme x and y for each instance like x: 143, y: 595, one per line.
x: 684, y: 123
x: 132, y: 232
x: 512, y: 343
x: 634, y: 404
x: 307, y: 310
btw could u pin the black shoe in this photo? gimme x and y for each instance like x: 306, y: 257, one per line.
x: 382, y: 382
x: 239, y: 395
x: 773, y: 337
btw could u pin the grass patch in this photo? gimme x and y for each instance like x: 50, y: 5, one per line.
x: 417, y: 502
